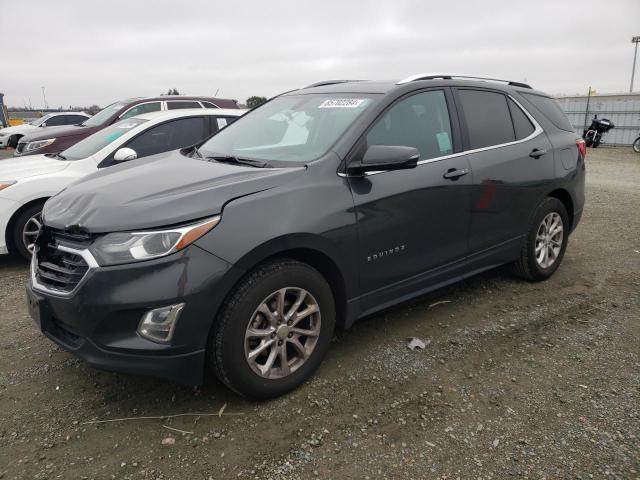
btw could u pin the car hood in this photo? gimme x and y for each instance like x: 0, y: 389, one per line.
x: 54, y: 132
x: 24, y: 128
x: 159, y: 191
x: 20, y: 168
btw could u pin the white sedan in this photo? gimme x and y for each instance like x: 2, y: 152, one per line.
x: 27, y: 182
x: 9, y: 136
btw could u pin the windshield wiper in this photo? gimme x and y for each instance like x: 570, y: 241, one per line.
x: 238, y: 160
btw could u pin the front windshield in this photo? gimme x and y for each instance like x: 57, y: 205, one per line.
x: 292, y: 128
x: 96, y: 142
x: 39, y: 121
x: 103, y: 115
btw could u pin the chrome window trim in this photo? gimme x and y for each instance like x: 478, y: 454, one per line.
x: 86, y: 256
x: 202, y: 102
x: 537, y: 131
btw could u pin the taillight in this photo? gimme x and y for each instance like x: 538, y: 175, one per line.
x: 582, y: 147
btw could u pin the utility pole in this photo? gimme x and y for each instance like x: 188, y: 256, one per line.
x: 635, y: 40
x: 44, y: 98
x: 586, y: 113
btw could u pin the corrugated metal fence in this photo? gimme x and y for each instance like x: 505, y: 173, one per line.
x: 623, y: 110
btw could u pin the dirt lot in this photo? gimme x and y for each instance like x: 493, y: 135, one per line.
x: 6, y: 153
x: 519, y: 380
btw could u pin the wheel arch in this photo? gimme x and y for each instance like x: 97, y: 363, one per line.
x: 11, y: 223
x: 315, y: 251
x: 565, y: 197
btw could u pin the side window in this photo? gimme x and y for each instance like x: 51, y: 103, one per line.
x: 420, y: 121
x: 74, y: 119
x: 178, y: 104
x: 142, y: 108
x: 208, y: 105
x: 487, y: 117
x: 55, y: 121
x: 521, y: 123
x: 169, y: 136
x: 551, y: 109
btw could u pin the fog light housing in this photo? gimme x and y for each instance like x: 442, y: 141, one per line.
x: 158, y: 324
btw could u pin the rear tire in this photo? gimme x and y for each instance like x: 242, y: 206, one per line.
x: 256, y: 317
x: 636, y: 145
x: 25, y: 223
x: 540, y: 254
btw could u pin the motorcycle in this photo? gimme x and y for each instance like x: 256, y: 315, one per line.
x: 594, y: 134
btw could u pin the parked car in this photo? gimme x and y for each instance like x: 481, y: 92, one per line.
x: 9, y: 136
x: 317, y: 208
x: 61, y: 138
x: 26, y: 183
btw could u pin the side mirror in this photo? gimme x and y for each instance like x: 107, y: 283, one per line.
x: 124, y: 154
x: 385, y: 157
x: 43, y: 124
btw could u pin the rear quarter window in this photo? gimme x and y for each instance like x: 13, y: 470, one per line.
x: 550, y: 109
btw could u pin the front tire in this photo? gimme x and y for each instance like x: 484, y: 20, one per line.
x: 13, y: 141
x: 25, y: 229
x: 273, y: 330
x: 636, y: 145
x: 546, y: 240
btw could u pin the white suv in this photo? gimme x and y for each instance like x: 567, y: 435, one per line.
x: 9, y: 136
x: 27, y: 182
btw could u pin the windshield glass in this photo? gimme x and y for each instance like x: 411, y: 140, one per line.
x: 295, y: 128
x: 103, y: 115
x: 38, y: 121
x: 99, y: 140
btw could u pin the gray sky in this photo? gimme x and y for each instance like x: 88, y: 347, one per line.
x: 87, y: 52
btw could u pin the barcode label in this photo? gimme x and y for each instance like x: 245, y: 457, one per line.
x: 342, y: 103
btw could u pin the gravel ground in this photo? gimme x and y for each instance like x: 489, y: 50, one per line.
x: 522, y: 380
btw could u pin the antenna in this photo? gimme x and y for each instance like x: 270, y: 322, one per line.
x: 216, y: 94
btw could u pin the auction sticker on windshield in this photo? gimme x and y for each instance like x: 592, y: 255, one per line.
x: 342, y: 103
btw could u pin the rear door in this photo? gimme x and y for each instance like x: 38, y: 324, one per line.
x: 512, y: 164
x: 411, y: 221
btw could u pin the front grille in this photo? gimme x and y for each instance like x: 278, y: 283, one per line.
x: 57, y: 269
x: 20, y: 147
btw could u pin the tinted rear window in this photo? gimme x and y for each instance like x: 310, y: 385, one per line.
x: 488, y: 118
x: 182, y: 104
x: 551, y: 109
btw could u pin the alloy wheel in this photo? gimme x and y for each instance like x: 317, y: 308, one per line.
x: 549, y: 238
x: 31, y: 230
x: 282, y: 333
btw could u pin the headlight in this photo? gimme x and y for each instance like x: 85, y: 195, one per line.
x: 129, y: 247
x: 6, y: 183
x: 3, y: 134
x: 31, y: 146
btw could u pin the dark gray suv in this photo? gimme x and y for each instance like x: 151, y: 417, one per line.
x: 320, y: 207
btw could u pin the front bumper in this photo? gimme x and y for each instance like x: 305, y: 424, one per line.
x: 99, y: 322
x: 4, y: 141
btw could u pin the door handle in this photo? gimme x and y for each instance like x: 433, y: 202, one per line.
x: 537, y: 153
x: 454, y: 174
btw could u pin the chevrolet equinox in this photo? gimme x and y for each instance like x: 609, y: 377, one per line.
x: 321, y: 206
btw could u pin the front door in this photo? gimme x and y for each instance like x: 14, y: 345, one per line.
x: 411, y: 222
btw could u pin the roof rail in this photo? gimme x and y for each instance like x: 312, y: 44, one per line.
x: 329, y: 82
x: 451, y: 76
